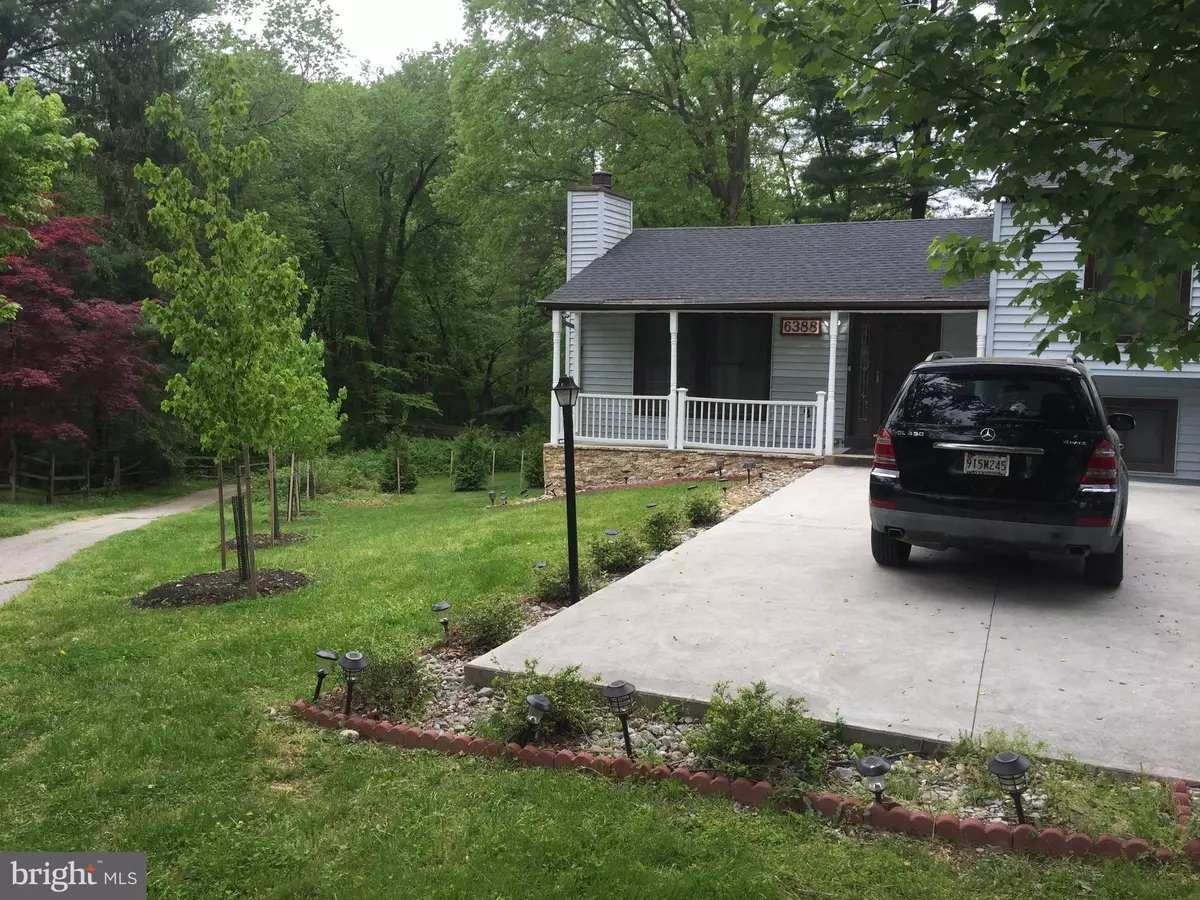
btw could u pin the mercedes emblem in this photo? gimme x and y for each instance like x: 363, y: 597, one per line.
x: 988, y: 434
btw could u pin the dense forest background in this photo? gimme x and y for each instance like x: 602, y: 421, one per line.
x: 427, y: 203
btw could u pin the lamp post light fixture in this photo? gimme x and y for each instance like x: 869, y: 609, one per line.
x: 539, y: 705
x: 504, y: 498
x: 491, y: 497
x: 1011, y: 771
x: 353, y: 665
x: 720, y: 464
x: 750, y: 465
x: 618, y: 697
x: 874, y: 770
x: 566, y: 392
x: 321, y: 673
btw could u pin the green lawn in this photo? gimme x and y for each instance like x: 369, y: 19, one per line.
x: 128, y: 730
x: 26, y: 515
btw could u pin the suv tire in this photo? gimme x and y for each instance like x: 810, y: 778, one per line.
x: 1106, y: 569
x: 887, y: 550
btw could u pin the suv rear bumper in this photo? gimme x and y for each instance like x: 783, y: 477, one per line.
x: 940, y: 531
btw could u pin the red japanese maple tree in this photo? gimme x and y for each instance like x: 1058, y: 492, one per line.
x: 67, y: 363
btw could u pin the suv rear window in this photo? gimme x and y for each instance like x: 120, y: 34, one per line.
x: 974, y: 399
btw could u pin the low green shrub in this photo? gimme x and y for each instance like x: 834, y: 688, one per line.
x: 396, y: 685
x: 532, y: 441
x: 360, y: 470
x: 400, y: 448
x: 702, y: 509
x: 660, y: 529
x: 575, y: 704
x: 751, y: 735
x: 487, y: 625
x: 552, y: 583
x: 614, y: 554
x: 472, y: 459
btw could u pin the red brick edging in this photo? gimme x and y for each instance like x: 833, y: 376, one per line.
x: 1051, y: 842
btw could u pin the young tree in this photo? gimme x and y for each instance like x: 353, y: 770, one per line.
x: 68, y: 364
x: 1085, y: 112
x: 34, y: 146
x: 234, y: 312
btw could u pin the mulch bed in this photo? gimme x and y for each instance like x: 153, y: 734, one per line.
x: 264, y: 541
x: 217, y: 587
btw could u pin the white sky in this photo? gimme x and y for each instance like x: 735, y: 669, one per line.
x: 380, y: 30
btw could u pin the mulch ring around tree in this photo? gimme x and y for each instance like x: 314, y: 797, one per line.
x: 264, y: 541
x: 211, y: 588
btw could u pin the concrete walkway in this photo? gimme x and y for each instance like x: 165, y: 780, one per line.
x: 27, y: 555
x: 787, y: 591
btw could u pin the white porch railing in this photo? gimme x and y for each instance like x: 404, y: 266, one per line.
x: 680, y: 421
x: 624, y: 419
x: 773, y: 426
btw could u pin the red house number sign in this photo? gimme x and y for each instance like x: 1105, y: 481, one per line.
x: 797, y: 326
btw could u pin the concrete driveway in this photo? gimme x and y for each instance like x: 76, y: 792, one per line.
x: 786, y: 591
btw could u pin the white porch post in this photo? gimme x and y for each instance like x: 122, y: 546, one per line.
x: 555, y: 374
x: 819, y: 425
x: 674, y: 435
x: 681, y: 404
x: 981, y: 322
x: 577, y: 354
x: 831, y: 390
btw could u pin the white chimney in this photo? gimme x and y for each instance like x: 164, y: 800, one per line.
x: 597, y: 219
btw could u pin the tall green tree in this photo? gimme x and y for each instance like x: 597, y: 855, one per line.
x: 234, y: 312
x: 1085, y: 113
x: 34, y: 147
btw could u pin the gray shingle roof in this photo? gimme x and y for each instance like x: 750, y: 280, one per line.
x: 827, y: 265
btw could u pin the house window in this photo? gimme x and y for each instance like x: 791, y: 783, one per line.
x: 722, y: 355
x: 1098, y: 276
x: 652, y: 354
x: 1150, y: 447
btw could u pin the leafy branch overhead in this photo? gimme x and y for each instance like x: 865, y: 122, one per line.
x: 1085, y: 115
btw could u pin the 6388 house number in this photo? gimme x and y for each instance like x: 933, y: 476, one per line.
x: 796, y: 326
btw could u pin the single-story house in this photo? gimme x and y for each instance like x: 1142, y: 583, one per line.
x: 789, y: 342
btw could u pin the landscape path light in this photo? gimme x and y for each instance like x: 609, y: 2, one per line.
x: 618, y: 697
x: 874, y: 770
x: 566, y: 392
x: 353, y: 665
x: 491, y: 498
x: 321, y: 673
x: 537, y: 707
x: 1011, y: 771
x: 330, y: 655
x: 444, y: 621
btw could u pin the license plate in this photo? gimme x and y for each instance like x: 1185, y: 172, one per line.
x: 985, y: 464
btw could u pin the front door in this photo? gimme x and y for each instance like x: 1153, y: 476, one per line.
x: 883, y: 349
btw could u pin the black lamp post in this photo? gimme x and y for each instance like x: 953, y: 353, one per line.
x: 618, y: 697
x: 353, y: 664
x: 566, y: 392
x: 1011, y: 771
x: 539, y: 705
x: 874, y: 770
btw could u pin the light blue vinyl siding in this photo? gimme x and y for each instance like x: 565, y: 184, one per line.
x: 606, y: 353
x: 1187, y: 392
x: 1011, y: 336
x: 800, y: 367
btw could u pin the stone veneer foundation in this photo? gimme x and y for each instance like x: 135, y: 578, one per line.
x: 603, y: 467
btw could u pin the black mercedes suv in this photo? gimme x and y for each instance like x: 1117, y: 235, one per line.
x: 1001, y: 454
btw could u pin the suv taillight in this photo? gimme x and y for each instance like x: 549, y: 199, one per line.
x: 1102, y: 467
x: 885, y: 453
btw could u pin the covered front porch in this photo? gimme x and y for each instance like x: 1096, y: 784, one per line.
x: 793, y: 383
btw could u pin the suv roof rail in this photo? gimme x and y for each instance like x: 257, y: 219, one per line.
x: 1076, y: 358
x: 939, y: 354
